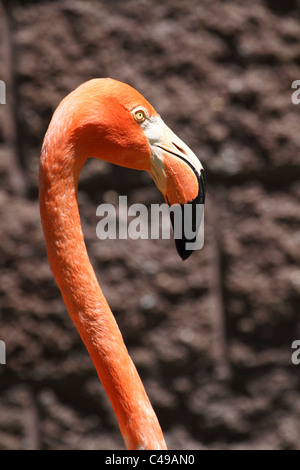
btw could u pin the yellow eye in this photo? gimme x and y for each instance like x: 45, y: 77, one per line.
x: 140, y: 116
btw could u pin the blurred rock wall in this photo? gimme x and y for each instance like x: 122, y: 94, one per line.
x: 211, y: 336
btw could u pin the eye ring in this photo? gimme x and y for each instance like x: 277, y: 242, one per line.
x: 140, y: 115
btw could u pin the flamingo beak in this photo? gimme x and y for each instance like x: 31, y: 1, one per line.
x: 180, y: 177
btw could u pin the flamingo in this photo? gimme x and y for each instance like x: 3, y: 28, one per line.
x: 107, y: 119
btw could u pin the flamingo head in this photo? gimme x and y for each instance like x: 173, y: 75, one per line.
x: 119, y: 125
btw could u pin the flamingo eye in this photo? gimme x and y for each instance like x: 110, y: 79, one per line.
x: 140, y: 115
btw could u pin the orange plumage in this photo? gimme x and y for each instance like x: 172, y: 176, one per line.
x: 97, y: 120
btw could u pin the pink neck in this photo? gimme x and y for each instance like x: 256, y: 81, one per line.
x: 86, y: 303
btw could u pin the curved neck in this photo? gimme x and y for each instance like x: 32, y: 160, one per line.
x: 85, y: 301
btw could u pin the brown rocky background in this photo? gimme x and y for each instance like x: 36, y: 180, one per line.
x: 211, y: 336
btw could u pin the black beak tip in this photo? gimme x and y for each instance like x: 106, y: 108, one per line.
x: 200, y: 199
x: 181, y: 250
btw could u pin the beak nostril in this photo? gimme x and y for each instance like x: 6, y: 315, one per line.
x: 179, y: 148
